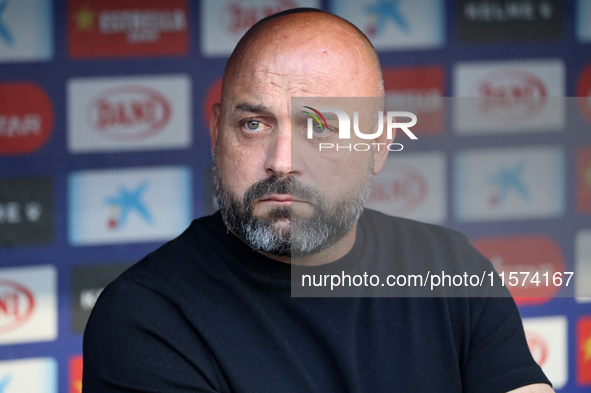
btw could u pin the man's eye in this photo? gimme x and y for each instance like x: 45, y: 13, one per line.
x: 318, y: 129
x: 253, y: 125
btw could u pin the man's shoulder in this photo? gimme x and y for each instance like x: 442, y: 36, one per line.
x: 176, y: 263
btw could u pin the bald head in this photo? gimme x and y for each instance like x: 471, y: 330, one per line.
x: 317, y: 40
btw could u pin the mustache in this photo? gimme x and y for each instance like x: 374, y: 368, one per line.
x: 281, y: 186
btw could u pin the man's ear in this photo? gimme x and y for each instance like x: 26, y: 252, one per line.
x: 380, y: 150
x: 214, y: 126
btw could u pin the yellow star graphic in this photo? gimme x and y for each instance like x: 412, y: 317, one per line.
x: 85, y: 19
x: 586, y: 347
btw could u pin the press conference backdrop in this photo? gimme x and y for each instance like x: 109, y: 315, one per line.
x: 104, y: 153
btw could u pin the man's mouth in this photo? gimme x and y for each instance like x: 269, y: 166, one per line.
x: 279, y: 199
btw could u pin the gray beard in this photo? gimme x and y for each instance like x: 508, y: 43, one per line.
x: 297, y: 237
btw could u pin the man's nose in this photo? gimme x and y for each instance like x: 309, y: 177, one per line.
x: 278, y: 159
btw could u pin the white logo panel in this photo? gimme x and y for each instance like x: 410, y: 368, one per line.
x: 224, y: 22
x: 28, y: 299
x: 129, y: 205
x: 400, y: 24
x: 137, y: 113
x: 583, y: 266
x: 547, y: 341
x: 34, y: 375
x: 509, y: 184
x: 514, y: 96
x: 26, y: 30
x: 411, y: 186
x: 584, y: 20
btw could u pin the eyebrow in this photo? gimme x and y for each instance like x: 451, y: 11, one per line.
x: 327, y: 115
x: 246, y: 107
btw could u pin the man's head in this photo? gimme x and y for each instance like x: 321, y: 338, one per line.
x: 272, y: 191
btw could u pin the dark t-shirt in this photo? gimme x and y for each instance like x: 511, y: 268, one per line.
x: 205, y: 313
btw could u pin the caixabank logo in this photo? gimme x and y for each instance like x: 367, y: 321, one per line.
x: 26, y: 117
x: 30, y: 375
x: 103, y: 28
x: 505, y: 184
x: 129, y: 205
x: 396, y: 24
x: 26, y: 30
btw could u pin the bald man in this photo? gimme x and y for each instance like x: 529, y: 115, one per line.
x: 211, y: 311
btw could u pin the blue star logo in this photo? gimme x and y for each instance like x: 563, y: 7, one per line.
x: 4, y: 382
x: 508, y: 179
x: 125, y: 202
x: 383, y: 11
x: 4, y: 32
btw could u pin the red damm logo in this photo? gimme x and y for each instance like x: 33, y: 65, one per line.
x: 537, y: 255
x: 26, y: 118
x: 584, y: 351
x: 75, y: 374
x: 104, y: 28
x: 128, y: 113
x: 16, y: 305
x: 584, y: 179
x: 403, y: 190
x: 417, y: 90
x: 510, y: 95
x: 239, y: 16
x: 584, y: 93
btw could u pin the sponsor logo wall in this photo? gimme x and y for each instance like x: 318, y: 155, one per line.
x: 26, y: 118
x: 547, y: 340
x: 394, y: 24
x: 26, y: 211
x: 105, y: 153
x: 87, y: 284
x: 226, y: 21
x: 128, y: 205
x: 511, y: 96
x: 509, y: 184
x: 32, y: 375
x: 111, y: 114
x: 500, y: 20
x: 127, y: 28
x: 26, y: 30
x: 29, y: 304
